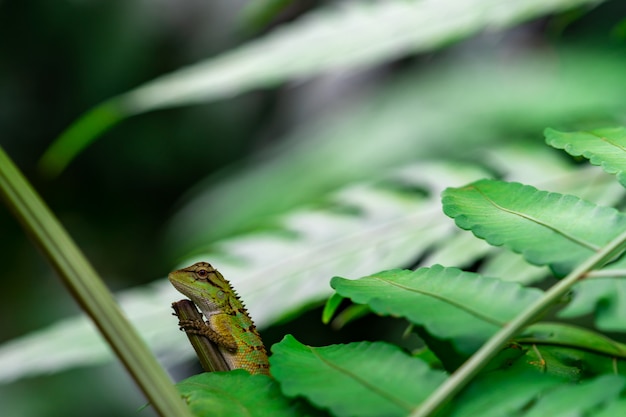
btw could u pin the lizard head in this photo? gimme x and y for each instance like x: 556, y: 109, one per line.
x: 203, y: 284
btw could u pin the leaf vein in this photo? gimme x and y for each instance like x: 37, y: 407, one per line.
x: 607, y: 140
x: 397, y: 401
x: 566, y: 235
x: 448, y: 301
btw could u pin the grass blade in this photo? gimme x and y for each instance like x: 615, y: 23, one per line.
x: 88, y: 289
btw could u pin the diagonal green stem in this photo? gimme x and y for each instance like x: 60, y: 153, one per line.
x: 88, y: 289
x: 462, y: 376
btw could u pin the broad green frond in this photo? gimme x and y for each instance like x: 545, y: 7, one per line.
x: 502, y: 393
x: 581, y: 399
x: 364, y: 379
x: 262, y: 266
x: 603, y: 147
x: 450, y: 304
x: 363, y: 228
x: 236, y: 394
x: 415, y: 117
x: 566, y: 335
x: 546, y: 228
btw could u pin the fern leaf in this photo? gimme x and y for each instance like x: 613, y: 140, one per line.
x: 603, y: 147
x: 581, y: 399
x: 546, y: 228
x: 502, y: 393
x: 238, y: 393
x: 388, y: 228
x: 450, y: 304
x: 364, y: 379
x: 604, y: 297
x: 369, y: 227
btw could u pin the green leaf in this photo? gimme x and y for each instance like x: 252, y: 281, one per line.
x: 521, y: 392
x: 449, y: 303
x: 349, y: 314
x: 546, y: 228
x: 502, y: 393
x: 603, y: 297
x: 616, y: 408
x: 331, y: 38
x: 262, y: 265
x: 570, y: 400
x: 330, y: 307
x: 237, y: 393
x: 361, y: 229
x: 407, y: 119
x: 509, y: 266
x: 573, y: 364
x: 571, y: 352
x: 364, y: 379
x: 603, y: 147
x: 558, y: 334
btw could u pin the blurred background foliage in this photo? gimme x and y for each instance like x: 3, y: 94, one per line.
x: 126, y: 198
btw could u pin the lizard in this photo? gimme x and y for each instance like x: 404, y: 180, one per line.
x: 228, y: 323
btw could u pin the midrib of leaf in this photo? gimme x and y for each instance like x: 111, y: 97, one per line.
x: 607, y: 140
x: 397, y: 401
x: 530, y: 218
x: 446, y: 300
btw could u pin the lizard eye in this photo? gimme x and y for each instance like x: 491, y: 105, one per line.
x: 202, y: 273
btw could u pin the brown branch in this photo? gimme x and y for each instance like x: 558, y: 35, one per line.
x: 208, y: 352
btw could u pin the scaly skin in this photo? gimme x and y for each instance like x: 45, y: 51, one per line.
x: 228, y: 324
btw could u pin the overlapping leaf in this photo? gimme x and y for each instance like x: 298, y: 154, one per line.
x: 238, y: 393
x: 605, y: 297
x: 559, y: 334
x: 372, y: 227
x: 502, y: 393
x: 390, y: 231
x: 450, y: 304
x: 358, y: 379
x: 569, y: 352
x: 546, y: 228
x: 581, y: 399
x: 531, y: 394
x: 603, y: 147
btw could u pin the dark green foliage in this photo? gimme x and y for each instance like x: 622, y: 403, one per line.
x: 548, y: 369
x: 450, y: 304
x: 239, y: 394
x: 357, y: 379
x: 467, y: 109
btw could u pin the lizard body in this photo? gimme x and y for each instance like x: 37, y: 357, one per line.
x: 228, y: 324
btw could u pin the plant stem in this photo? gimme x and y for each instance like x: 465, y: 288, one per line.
x: 462, y: 376
x: 88, y: 289
x: 208, y: 353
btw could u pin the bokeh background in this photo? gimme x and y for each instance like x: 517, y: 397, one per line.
x: 122, y: 198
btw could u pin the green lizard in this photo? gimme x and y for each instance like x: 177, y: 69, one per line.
x: 228, y: 324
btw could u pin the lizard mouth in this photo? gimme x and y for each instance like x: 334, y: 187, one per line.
x: 182, y: 287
